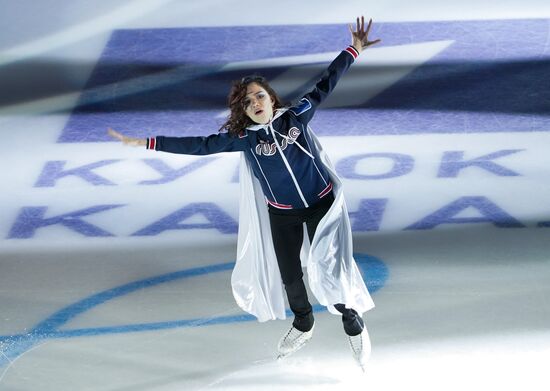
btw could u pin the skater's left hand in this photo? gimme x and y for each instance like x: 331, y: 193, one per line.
x: 360, y: 38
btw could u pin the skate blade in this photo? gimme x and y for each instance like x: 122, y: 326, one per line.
x: 363, y: 368
x: 284, y: 355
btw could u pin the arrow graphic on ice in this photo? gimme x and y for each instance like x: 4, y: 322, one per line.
x: 374, y: 71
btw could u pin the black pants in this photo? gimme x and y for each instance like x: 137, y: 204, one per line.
x: 287, y: 232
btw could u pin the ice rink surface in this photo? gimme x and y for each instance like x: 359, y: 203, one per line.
x: 115, y: 262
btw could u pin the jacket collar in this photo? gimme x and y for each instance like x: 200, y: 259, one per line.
x: 276, y: 115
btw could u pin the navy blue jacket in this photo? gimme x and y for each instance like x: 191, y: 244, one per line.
x: 281, y: 153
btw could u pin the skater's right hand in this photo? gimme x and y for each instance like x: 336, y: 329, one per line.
x: 134, y: 142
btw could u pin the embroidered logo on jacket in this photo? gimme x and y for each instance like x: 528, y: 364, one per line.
x: 270, y: 149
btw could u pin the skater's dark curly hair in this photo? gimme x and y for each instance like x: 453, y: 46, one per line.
x: 238, y: 120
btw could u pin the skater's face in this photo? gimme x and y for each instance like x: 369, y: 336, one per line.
x: 258, y: 105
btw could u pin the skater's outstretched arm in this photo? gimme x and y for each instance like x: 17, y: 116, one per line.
x: 306, y: 106
x: 192, y: 145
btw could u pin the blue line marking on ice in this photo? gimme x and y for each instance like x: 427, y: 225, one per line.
x: 374, y: 271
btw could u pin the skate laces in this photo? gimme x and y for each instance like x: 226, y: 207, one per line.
x: 356, y: 343
x: 294, y: 334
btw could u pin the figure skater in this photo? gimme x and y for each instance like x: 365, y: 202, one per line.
x: 287, y: 181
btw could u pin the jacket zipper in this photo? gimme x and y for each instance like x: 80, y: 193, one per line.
x: 288, y: 167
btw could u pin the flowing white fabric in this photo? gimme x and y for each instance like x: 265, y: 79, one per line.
x: 333, y: 275
x: 256, y: 280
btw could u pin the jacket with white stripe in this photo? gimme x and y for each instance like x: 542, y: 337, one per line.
x: 282, y: 153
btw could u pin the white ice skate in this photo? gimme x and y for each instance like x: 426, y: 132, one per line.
x: 360, y: 348
x: 293, y: 340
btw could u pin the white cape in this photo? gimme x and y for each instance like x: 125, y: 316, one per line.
x: 333, y: 275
